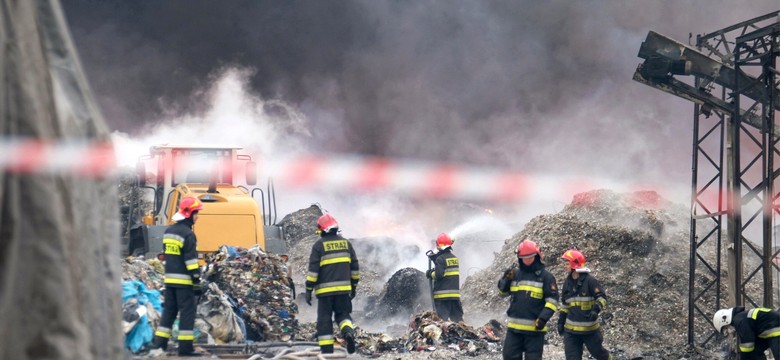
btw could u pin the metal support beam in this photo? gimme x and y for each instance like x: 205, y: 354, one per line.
x: 733, y: 74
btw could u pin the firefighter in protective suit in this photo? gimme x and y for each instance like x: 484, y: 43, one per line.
x: 182, y: 279
x: 534, y: 299
x: 757, y: 330
x: 333, y: 276
x: 446, y: 280
x: 581, y: 302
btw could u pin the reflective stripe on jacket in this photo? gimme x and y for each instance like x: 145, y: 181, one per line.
x: 755, y: 323
x: 446, y: 277
x: 181, y: 255
x: 534, y: 295
x: 333, y: 266
x: 578, y: 297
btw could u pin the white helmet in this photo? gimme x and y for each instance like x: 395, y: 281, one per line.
x: 722, y: 318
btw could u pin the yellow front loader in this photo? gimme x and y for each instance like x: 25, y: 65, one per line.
x: 219, y: 176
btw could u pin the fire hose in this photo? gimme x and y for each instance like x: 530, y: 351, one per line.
x: 314, y: 352
x: 430, y: 256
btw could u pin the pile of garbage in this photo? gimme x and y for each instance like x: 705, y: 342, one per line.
x: 637, y: 246
x: 246, y: 297
x: 150, y: 272
x: 406, y: 293
x: 258, y: 281
x: 428, y: 332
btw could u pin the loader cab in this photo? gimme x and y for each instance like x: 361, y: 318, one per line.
x: 235, y: 212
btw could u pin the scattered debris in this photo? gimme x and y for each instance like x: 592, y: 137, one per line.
x: 636, y: 244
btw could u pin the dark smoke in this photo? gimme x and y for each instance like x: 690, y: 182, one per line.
x: 531, y: 85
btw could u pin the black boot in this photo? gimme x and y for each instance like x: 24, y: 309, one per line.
x: 186, y: 349
x: 192, y: 353
x: 326, y: 349
x: 349, y: 336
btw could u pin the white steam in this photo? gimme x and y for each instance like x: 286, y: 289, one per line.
x: 231, y: 114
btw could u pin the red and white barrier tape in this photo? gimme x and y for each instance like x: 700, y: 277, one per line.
x: 426, y: 179
x: 336, y: 173
x: 42, y: 157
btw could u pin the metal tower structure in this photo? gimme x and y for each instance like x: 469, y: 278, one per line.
x: 732, y: 78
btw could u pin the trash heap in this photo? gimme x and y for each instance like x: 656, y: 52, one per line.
x: 406, y: 293
x: 259, y: 280
x: 637, y: 246
x: 220, y: 316
x: 141, y: 301
x: 150, y: 272
x: 427, y: 332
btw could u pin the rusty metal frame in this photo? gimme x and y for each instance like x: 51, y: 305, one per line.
x: 751, y: 142
x: 731, y: 74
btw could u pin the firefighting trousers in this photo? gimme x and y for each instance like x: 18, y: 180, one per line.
x: 573, y: 344
x: 516, y: 344
x: 451, y: 310
x: 772, y: 343
x: 338, y: 307
x: 181, y: 301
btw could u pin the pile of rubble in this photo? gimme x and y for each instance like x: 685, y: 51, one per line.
x: 258, y: 280
x: 406, y: 293
x: 637, y: 245
x: 425, y: 334
x: 150, y: 272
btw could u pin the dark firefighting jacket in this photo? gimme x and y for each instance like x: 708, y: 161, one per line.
x: 755, y: 323
x: 333, y: 266
x: 181, y: 255
x: 446, y: 277
x: 578, y: 299
x: 534, y: 295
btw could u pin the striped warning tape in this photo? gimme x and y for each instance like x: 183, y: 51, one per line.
x: 34, y: 156
x: 427, y: 179
x: 346, y: 173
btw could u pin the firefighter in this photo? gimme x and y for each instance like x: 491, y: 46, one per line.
x: 757, y: 330
x: 333, y: 276
x: 534, y: 299
x: 582, y: 300
x: 182, y: 279
x: 446, y: 277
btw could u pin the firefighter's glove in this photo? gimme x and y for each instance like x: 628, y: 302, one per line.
x: 561, y: 324
x: 540, y: 323
x: 509, y: 274
x: 352, y: 293
x: 197, y: 290
x: 292, y: 286
x: 594, y: 312
x: 429, y: 273
x: 308, y: 297
x: 596, y: 307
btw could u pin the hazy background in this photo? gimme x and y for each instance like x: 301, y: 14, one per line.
x: 539, y: 87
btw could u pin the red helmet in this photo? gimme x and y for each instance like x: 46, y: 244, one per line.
x: 188, y: 205
x: 575, y: 257
x: 326, y: 223
x: 528, y: 248
x: 443, y: 241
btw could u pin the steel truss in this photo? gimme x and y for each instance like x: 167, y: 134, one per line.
x: 735, y: 90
